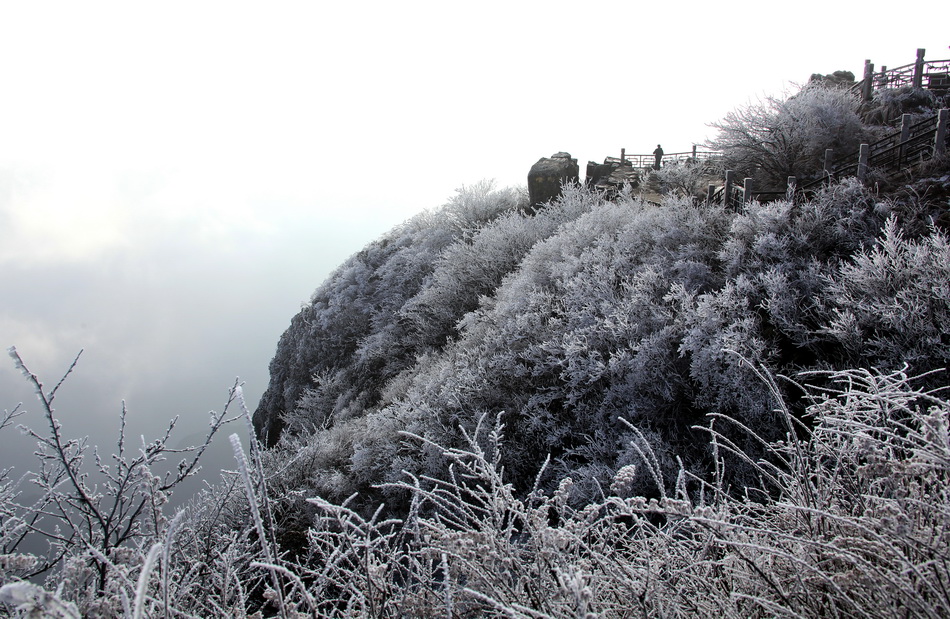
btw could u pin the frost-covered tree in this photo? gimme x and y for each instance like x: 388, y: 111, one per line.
x: 777, y: 138
x: 100, y: 534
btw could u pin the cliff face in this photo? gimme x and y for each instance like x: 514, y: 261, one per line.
x: 290, y: 373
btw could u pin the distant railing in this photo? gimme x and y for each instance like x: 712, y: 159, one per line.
x: 929, y: 74
x: 909, y: 145
x: 648, y: 161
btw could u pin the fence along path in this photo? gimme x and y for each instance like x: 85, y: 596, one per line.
x: 912, y: 143
x: 929, y: 74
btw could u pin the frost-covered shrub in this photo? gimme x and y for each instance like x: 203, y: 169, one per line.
x: 847, y: 518
x: 785, y: 253
x: 680, y: 178
x: 591, y: 311
x: 888, y: 105
x: 891, y: 303
x: 110, y: 546
x: 576, y: 336
x: 330, y: 354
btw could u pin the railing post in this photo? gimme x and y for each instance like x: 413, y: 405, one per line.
x: 868, y: 80
x: 727, y: 189
x: 905, y: 126
x: 919, y: 68
x: 863, y: 161
x: 883, y: 76
x: 710, y: 190
x: 623, y: 156
x: 790, y: 189
x: 694, y: 153
x: 940, y: 139
x: 905, y: 135
x: 747, y: 187
x: 829, y: 153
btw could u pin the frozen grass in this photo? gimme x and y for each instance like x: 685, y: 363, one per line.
x: 850, y: 518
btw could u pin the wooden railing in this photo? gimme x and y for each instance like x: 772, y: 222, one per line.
x: 909, y: 144
x: 708, y: 157
x: 929, y: 74
x: 913, y: 143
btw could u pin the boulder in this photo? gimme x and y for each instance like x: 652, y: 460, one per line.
x: 547, y: 176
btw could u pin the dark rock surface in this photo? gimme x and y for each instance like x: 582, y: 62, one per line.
x: 610, y: 176
x: 547, y: 176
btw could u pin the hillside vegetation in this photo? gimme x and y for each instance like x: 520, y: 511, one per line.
x: 601, y: 408
x: 593, y: 314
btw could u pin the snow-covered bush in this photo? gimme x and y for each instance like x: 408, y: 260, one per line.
x: 891, y: 303
x: 680, y: 178
x: 642, y: 458
x: 593, y: 310
x: 848, y: 517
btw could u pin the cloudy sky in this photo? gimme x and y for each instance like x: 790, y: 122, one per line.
x: 176, y: 178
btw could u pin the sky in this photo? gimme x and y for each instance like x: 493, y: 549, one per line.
x: 177, y: 178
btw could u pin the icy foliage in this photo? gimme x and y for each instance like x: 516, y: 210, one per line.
x: 848, y: 517
x: 680, y: 178
x: 593, y: 310
x: 331, y: 355
x: 572, y: 414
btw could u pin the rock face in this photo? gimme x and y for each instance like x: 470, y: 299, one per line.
x: 547, y: 175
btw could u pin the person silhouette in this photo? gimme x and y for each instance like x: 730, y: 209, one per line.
x: 658, y: 155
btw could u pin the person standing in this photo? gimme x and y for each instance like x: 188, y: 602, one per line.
x: 658, y: 157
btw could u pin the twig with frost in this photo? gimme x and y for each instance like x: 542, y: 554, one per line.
x: 258, y: 522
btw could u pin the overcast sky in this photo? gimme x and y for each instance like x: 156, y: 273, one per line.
x: 176, y: 178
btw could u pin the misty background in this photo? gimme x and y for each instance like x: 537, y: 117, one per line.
x: 177, y: 178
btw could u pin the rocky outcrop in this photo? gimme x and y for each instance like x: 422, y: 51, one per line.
x: 610, y: 176
x: 598, y: 172
x: 547, y: 176
x: 844, y: 79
